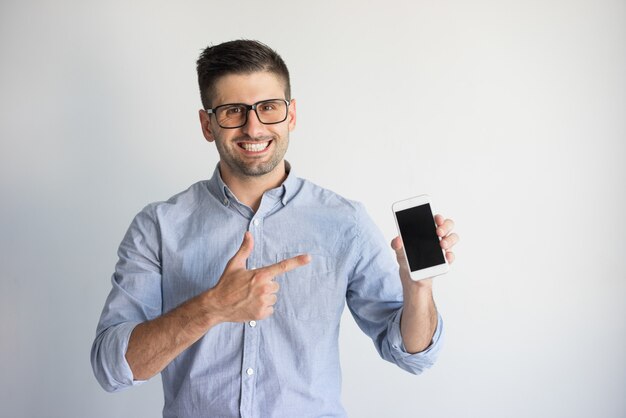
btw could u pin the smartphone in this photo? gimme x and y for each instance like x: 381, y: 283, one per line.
x: 422, y: 248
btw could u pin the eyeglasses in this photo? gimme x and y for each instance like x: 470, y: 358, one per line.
x: 235, y: 115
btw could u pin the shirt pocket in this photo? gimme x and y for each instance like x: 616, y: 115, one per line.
x: 311, y: 291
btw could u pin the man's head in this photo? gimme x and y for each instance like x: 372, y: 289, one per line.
x: 237, y: 57
x: 248, y: 111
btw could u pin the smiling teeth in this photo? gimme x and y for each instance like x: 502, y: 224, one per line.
x: 254, y: 146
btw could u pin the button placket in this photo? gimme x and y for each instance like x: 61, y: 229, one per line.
x: 249, y: 369
x: 251, y: 333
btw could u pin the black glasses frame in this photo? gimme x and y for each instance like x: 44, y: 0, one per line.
x: 248, y: 109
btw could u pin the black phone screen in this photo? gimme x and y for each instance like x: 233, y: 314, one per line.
x: 421, y: 243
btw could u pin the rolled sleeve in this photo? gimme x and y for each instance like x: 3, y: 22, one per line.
x: 135, y: 297
x: 418, y: 362
x: 108, y: 358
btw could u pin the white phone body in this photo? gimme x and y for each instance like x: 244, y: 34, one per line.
x: 422, y: 248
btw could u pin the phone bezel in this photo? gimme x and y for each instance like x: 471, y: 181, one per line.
x: 427, y: 272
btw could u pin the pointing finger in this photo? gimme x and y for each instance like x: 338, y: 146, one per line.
x: 286, y: 265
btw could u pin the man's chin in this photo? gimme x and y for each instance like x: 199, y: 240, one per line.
x: 257, y: 170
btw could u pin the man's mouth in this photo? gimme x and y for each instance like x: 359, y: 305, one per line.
x: 254, y: 146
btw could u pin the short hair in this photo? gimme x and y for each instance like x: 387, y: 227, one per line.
x: 237, y: 57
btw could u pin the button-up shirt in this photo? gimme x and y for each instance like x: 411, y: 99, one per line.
x: 288, y: 364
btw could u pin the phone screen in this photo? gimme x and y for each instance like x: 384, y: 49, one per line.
x: 419, y: 235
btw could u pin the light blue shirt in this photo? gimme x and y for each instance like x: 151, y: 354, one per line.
x: 288, y: 364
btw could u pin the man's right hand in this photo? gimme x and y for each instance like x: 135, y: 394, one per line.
x: 244, y: 295
x: 240, y: 295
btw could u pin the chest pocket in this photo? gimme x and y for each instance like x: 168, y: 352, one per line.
x: 312, y: 291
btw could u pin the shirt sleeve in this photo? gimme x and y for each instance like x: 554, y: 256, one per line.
x: 374, y: 297
x: 135, y: 297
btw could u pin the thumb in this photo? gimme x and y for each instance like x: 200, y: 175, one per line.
x: 397, y: 246
x: 239, y: 259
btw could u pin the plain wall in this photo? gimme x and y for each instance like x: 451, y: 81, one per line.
x: 510, y: 114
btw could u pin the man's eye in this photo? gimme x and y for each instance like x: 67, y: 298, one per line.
x: 233, y: 111
x: 268, y: 107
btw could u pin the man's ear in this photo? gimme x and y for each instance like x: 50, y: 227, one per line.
x: 205, y: 122
x: 291, y: 116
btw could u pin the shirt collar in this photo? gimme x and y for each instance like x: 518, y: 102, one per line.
x: 285, y: 192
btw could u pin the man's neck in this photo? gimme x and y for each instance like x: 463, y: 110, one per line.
x: 249, y: 189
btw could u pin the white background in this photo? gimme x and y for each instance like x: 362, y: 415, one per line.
x: 511, y: 114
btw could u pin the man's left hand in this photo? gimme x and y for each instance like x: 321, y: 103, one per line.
x: 448, y: 240
x: 419, y: 317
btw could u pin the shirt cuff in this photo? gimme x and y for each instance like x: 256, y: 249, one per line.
x: 417, y: 362
x: 114, y: 373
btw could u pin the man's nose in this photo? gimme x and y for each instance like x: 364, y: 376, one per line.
x: 253, y: 126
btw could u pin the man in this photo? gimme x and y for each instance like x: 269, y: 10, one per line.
x: 233, y: 289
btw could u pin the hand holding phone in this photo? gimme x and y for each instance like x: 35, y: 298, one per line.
x: 417, y: 228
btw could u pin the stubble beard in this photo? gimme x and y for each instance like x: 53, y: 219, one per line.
x: 244, y: 169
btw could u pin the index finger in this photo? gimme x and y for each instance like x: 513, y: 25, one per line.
x: 444, y: 226
x: 286, y: 265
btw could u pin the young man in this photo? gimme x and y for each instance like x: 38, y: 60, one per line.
x: 233, y: 289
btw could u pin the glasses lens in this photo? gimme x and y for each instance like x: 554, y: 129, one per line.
x: 271, y: 111
x: 231, y: 116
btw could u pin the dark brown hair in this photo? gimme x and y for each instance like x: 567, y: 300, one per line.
x: 237, y: 57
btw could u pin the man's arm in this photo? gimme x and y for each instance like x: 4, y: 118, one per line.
x: 419, y: 315
x: 240, y: 295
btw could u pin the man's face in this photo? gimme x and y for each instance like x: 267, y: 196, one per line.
x: 254, y: 149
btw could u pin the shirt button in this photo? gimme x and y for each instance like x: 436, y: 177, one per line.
x: 253, y: 324
x: 225, y: 201
x: 255, y: 222
x: 250, y: 371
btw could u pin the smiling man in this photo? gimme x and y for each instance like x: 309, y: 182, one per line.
x: 233, y: 290
x: 251, y: 148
